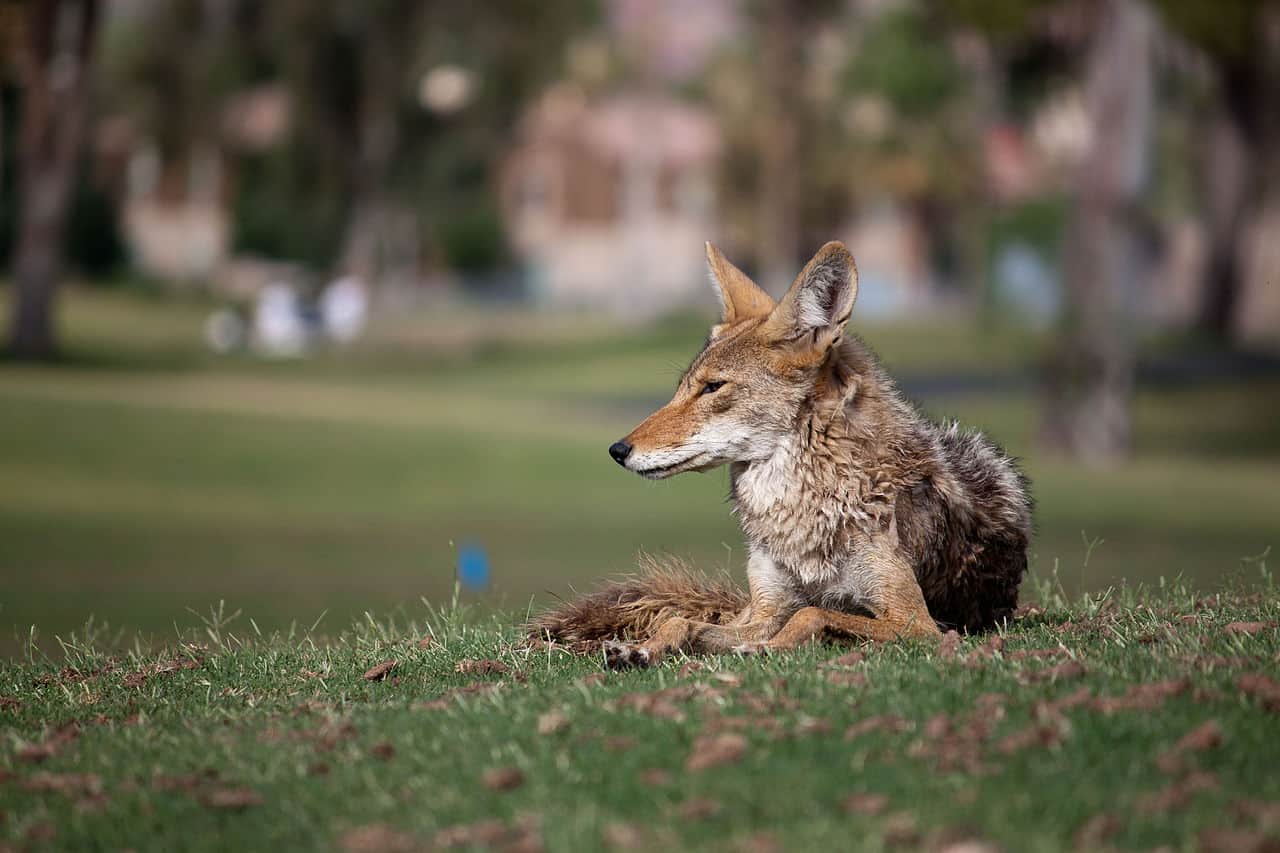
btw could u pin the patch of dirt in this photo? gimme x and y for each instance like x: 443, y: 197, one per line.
x: 503, y: 778
x: 1037, y: 654
x: 900, y: 830
x: 378, y: 838
x: 68, y: 784
x: 1046, y: 709
x: 139, y: 677
x: 807, y: 726
x: 699, y: 808
x: 487, y: 666
x: 847, y: 679
x: 1095, y: 832
x: 619, y: 743
x: 10, y: 703
x: 1202, y: 737
x: 1237, y: 841
x: 852, y: 658
x: 1066, y: 671
x: 522, y: 834
x: 444, y: 700
x: 865, y: 804
x: 1262, y: 687
x: 1143, y: 697
x: 185, y: 782
x: 54, y: 742
x: 624, y: 836
x: 655, y: 777
x: 1177, y: 795
x: 379, y: 672
x: 950, y: 645
x: 232, y: 799
x: 383, y: 751
x: 883, y: 722
x: 716, y: 750
x: 690, y: 668
x: 552, y: 723
x: 1264, y: 813
x: 1042, y: 735
x: 1248, y: 628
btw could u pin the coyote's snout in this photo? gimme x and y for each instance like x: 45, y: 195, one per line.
x: 862, y: 518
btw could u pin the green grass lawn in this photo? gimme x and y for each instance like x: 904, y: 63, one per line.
x: 1122, y: 721
x: 143, y: 477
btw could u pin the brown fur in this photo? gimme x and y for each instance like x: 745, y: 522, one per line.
x: 633, y: 608
x: 862, y: 518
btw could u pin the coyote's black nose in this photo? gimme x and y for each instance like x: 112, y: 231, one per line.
x: 620, y: 450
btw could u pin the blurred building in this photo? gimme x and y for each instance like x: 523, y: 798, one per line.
x: 608, y: 201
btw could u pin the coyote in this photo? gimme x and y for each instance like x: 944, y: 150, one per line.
x: 862, y: 518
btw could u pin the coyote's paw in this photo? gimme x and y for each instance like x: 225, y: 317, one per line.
x: 625, y: 656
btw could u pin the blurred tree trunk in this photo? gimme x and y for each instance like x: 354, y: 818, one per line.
x: 1091, y: 376
x: 777, y: 134
x: 1226, y: 175
x: 1242, y: 156
x: 386, y: 49
x: 56, y: 68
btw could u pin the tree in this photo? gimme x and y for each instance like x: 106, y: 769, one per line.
x: 1240, y: 147
x: 56, y: 76
x: 1091, y: 381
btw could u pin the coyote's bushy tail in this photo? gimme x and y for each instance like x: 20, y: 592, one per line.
x: 631, y: 608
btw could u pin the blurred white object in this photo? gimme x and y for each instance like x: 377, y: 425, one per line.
x: 277, y: 321
x: 344, y: 308
x: 446, y: 89
x: 224, y: 331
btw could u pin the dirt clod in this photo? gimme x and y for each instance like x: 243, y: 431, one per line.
x: 233, y: 799
x: 1237, y: 840
x: 377, y: 838
x: 699, y: 808
x: 1262, y: 687
x: 552, y: 722
x: 482, y: 667
x: 865, y: 804
x: 715, y: 750
x: 1097, y: 831
x: 381, y: 671
x: 1248, y: 628
x: 503, y: 778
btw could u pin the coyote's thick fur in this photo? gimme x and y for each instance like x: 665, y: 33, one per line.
x: 862, y: 518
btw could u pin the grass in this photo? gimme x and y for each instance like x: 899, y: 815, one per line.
x: 234, y: 740
x: 143, y: 477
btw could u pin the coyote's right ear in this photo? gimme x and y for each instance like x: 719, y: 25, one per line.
x: 740, y: 297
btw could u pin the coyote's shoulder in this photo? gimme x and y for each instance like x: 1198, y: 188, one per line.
x: 861, y: 516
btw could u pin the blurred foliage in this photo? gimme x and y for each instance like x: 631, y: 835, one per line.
x: 904, y: 60
x: 352, y: 71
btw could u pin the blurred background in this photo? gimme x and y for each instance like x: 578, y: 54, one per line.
x: 323, y: 306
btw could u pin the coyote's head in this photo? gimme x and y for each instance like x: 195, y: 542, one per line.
x: 742, y: 393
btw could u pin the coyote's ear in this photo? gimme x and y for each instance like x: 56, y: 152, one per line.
x: 740, y: 297
x: 813, y: 313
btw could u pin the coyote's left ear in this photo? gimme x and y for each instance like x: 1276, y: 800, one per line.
x: 740, y: 297
x: 812, y: 315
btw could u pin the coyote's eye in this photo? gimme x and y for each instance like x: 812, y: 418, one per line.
x: 712, y: 387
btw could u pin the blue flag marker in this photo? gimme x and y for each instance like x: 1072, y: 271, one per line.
x: 473, y: 567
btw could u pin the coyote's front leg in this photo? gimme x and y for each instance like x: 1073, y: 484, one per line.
x: 899, y: 607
